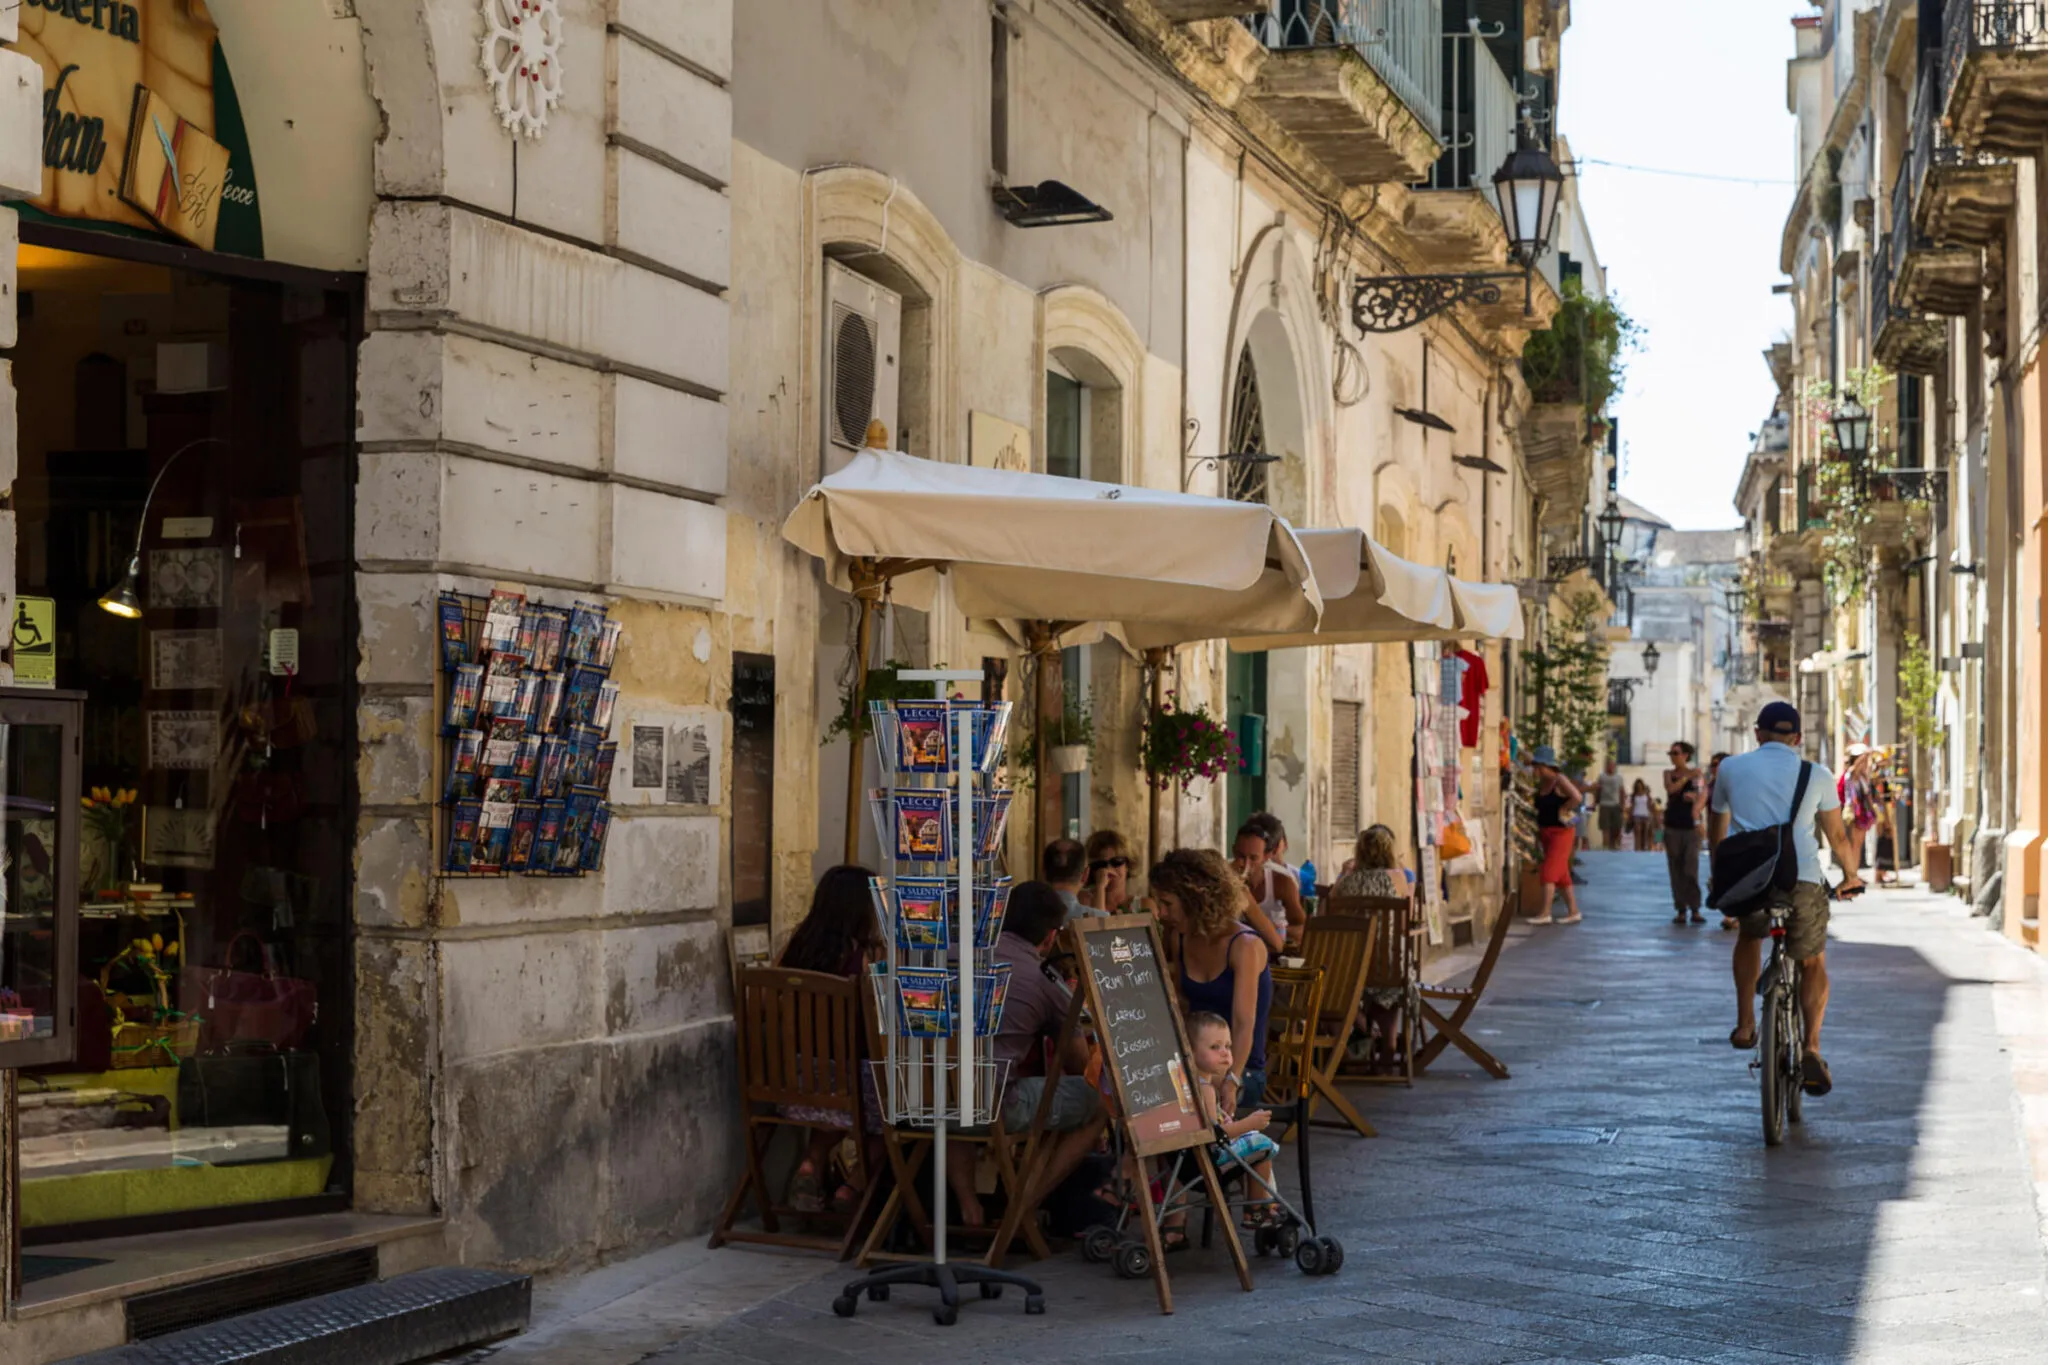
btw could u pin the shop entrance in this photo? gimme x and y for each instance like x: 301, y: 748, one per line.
x: 183, y: 514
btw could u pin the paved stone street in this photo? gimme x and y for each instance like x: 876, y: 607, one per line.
x: 1612, y: 1202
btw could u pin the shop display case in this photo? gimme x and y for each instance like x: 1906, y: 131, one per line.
x: 39, y: 873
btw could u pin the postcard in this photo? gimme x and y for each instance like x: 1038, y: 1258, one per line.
x: 525, y: 823
x: 921, y: 733
x: 501, y: 749
x: 594, y: 839
x: 925, y: 1002
x: 923, y: 826
x: 924, y: 917
x: 991, y: 814
x: 608, y: 637
x: 501, y: 620
x: 464, y: 783
x: 586, y: 625
x: 551, y: 632
x: 465, y: 694
x: 454, y: 631
x: 990, y: 903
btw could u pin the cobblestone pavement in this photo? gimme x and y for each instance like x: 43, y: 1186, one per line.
x: 1613, y: 1201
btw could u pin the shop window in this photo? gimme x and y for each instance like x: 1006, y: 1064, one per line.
x: 38, y: 932
x: 183, y: 502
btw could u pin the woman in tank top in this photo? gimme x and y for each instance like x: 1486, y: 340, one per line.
x: 1555, y: 795
x: 1280, y: 917
x: 1222, y: 964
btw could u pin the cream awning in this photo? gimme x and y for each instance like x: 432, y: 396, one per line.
x: 1373, y: 596
x: 1036, y: 547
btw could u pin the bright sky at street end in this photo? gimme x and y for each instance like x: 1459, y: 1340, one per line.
x: 1692, y: 259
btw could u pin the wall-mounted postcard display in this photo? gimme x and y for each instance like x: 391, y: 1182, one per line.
x: 526, y: 713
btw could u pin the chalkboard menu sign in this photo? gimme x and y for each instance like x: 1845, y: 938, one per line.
x: 1139, y: 1028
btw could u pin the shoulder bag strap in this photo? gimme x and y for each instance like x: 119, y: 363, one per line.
x: 1799, y: 792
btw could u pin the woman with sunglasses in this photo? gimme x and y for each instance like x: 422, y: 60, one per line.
x: 1109, y: 867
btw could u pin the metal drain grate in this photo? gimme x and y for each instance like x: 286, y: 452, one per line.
x: 1537, y: 1135
x: 413, y: 1317
x: 194, y: 1305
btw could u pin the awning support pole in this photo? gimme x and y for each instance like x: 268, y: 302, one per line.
x: 1048, y: 704
x: 867, y: 590
x: 1156, y: 659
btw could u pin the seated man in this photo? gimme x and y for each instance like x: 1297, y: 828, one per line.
x: 1064, y: 865
x: 1033, y: 1012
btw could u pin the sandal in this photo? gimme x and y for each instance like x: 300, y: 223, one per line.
x: 1172, y: 1240
x: 1258, y: 1216
x: 1678, y: 918
x: 1740, y: 1043
x: 1539, y: 919
x: 1814, y: 1077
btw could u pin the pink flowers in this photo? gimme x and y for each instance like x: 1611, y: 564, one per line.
x: 1181, y: 746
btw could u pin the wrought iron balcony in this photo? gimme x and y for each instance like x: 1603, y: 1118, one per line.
x: 1994, y: 74
x: 1908, y: 343
x: 1564, y: 566
x: 1909, y: 485
x: 1740, y: 669
x: 1926, y: 277
x: 1961, y: 197
x: 1454, y: 222
x: 1357, y: 83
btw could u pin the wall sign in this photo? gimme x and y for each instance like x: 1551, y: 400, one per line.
x: 141, y: 127
x: 35, y: 642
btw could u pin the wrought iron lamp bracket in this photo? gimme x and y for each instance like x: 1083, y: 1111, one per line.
x: 1394, y: 303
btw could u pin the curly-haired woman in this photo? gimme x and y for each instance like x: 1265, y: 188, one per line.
x: 1223, y: 967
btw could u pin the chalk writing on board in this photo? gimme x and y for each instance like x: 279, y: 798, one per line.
x: 1137, y: 1028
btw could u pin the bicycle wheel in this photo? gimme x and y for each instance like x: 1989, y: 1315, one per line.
x: 1771, y: 1075
x: 1795, y: 1071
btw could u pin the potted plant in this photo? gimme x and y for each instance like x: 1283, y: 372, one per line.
x: 103, y: 850
x: 1183, y: 744
x: 1070, y: 744
x: 883, y: 685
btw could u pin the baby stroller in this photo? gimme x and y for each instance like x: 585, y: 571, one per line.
x: 1180, y: 1191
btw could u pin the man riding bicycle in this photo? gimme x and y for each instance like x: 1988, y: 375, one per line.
x: 1754, y: 792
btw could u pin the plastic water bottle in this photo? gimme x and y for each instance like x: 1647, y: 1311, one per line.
x: 1308, y: 882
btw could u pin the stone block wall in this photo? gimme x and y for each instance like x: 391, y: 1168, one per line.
x: 541, y: 402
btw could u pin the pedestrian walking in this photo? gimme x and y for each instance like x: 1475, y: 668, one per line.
x: 1684, y: 799
x: 1557, y: 800
x: 1639, y: 816
x: 1609, y: 787
x: 1728, y: 922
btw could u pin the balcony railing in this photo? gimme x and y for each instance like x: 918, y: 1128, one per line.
x: 1741, y: 669
x: 1933, y: 148
x: 1976, y: 25
x: 1564, y: 566
x: 1909, y: 485
x: 1478, y: 122
x: 1402, y: 40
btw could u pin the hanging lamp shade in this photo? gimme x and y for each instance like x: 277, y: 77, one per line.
x: 1529, y: 187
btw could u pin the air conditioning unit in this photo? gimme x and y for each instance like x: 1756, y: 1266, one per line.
x: 863, y: 334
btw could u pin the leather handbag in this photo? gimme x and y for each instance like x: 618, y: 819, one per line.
x: 257, y: 1086
x: 238, y: 1006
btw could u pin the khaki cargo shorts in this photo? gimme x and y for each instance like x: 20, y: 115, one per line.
x: 1806, y: 927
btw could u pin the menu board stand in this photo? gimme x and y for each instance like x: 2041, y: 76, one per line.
x: 933, y: 1075
x: 1136, y: 1019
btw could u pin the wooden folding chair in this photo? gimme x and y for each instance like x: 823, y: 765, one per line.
x: 1341, y: 944
x: 1293, y: 1024
x: 1396, y: 965
x: 799, y: 1050
x: 1449, y: 1032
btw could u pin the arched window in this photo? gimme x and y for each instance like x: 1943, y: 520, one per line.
x: 1245, y: 480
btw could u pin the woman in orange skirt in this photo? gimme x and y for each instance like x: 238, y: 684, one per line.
x: 1555, y: 795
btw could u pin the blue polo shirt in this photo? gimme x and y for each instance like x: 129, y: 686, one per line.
x: 1754, y: 791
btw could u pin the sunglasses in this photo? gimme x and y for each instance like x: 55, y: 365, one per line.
x: 1100, y: 863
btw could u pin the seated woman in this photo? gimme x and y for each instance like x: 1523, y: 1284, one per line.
x: 839, y: 936
x: 1375, y: 870
x: 1222, y: 963
x: 1109, y: 865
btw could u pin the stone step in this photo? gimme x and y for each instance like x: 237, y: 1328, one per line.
x: 398, y: 1321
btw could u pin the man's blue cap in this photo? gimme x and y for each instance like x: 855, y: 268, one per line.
x: 1779, y: 718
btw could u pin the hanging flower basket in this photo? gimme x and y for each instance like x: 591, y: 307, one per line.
x: 1182, y: 746
x: 1068, y: 758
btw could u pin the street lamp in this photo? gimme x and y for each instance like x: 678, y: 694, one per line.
x: 1851, y: 422
x: 1529, y: 187
x: 1649, y: 661
x: 1611, y: 523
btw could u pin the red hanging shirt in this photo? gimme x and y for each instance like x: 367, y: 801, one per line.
x: 1474, y: 686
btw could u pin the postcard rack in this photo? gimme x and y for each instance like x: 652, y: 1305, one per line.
x: 524, y: 714
x: 940, y: 818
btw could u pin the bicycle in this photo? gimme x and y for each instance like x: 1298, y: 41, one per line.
x: 1781, y: 1030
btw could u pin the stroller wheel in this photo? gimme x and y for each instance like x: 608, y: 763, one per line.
x: 1098, y: 1244
x: 1134, y: 1260
x: 1333, y: 1255
x: 1309, y: 1258
x: 1266, y: 1241
x: 1287, y: 1240
x: 845, y: 1305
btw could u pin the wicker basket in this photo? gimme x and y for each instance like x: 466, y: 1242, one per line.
x: 153, y: 1044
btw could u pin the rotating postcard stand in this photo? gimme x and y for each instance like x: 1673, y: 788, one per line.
x: 938, y: 992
